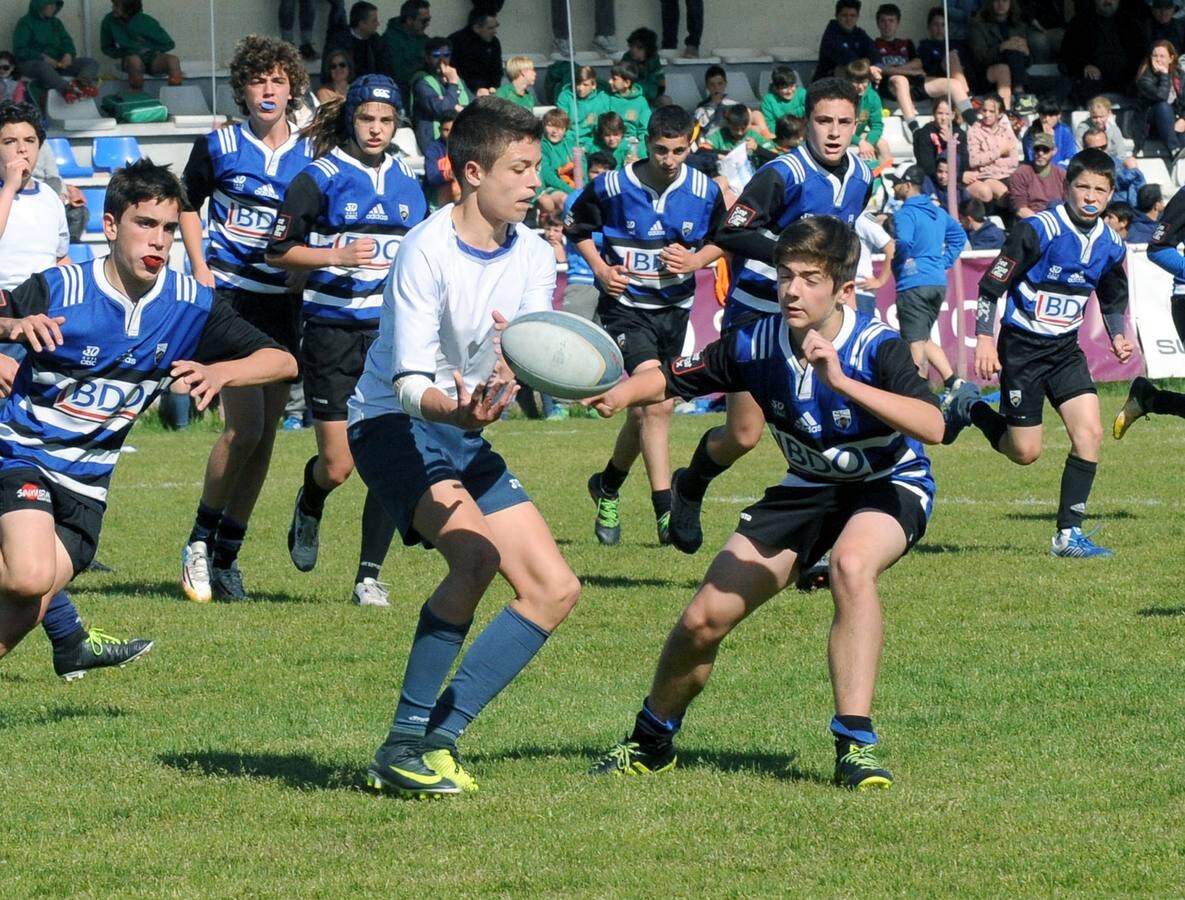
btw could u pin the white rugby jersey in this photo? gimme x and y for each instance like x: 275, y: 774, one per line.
x: 438, y: 306
x: 36, y: 236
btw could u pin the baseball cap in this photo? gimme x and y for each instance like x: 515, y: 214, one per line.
x: 1043, y: 139
x: 912, y: 175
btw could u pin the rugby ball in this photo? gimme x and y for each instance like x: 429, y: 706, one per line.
x: 562, y: 354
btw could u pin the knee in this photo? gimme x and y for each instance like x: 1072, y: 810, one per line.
x: 241, y: 440
x: 1025, y: 456
x: 747, y: 435
x: 27, y: 582
x: 1086, y: 441
x: 337, y: 470
x: 562, y: 594
x: 699, y: 629
x: 850, y: 573
x: 133, y: 63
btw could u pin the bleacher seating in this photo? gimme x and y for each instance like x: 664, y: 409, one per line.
x: 81, y: 253
x: 68, y: 166
x: 742, y: 55
x: 184, y: 101
x: 115, y: 152
x: 793, y: 54
x: 900, y: 144
x: 94, y: 206
x: 80, y: 116
x: 1156, y: 172
x: 683, y: 89
x: 739, y: 87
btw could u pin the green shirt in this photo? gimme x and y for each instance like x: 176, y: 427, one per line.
x: 555, y: 157
x: 720, y: 141
x: 141, y: 35
x: 36, y: 36
x: 593, y: 145
x: 774, y: 107
x: 634, y: 109
x: 589, y: 109
x: 407, y: 53
x: 870, y: 120
x: 526, y: 101
x: 652, y: 77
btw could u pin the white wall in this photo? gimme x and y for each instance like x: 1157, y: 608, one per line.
x: 526, y: 24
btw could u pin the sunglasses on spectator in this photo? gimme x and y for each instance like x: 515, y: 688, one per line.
x: 441, y: 54
x: 339, y: 65
x: 1042, y: 149
x: 5, y: 67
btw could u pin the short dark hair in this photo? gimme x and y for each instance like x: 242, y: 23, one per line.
x: 996, y: 99
x: 411, y: 9
x: 485, y: 128
x: 1121, y: 210
x: 788, y: 128
x: 479, y: 14
x: 22, y: 113
x: 610, y: 123
x: 831, y: 89
x: 824, y: 239
x: 715, y: 71
x: 602, y: 160
x: 1092, y: 160
x: 973, y: 209
x: 1148, y: 196
x: 625, y: 69
x: 360, y: 11
x: 644, y: 38
x: 1093, y: 131
x: 933, y: 13
x: 436, y: 43
x: 736, y: 116
x: 1048, y: 106
x: 138, y: 182
x: 670, y: 122
x: 782, y: 76
x: 846, y: 4
x: 889, y: 9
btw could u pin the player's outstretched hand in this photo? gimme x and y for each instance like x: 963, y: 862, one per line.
x: 485, y: 405
x: 40, y: 332
x: 1122, y: 348
x: 987, y: 360
x: 820, y: 353
x: 201, y: 382
x: 356, y: 253
x: 502, y: 370
x: 614, y: 280
x: 8, y: 370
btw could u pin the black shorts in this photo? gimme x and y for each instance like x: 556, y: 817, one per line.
x: 644, y: 334
x: 917, y: 311
x: 332, y: 359
x: 1033, y: 368
x: 276, y: 315
x: 809, y: 520
x: 76, y: 521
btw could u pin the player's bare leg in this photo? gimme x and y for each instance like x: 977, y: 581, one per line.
x: 33, y: 567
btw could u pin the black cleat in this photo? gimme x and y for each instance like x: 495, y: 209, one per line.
x: 400, y: 766
x: 629, y: 758
x: 607, y: 525
x: 98, y: 651
x: 817, y: 577
x: 685, y: 530
x: 860, y: 770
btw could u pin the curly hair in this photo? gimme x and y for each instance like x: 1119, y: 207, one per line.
x: 258, y: 54
x: 22, y: 113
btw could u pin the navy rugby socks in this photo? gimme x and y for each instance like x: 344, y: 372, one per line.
x: 312, y: 497
x: 63, y: 626
x: 651, y: 730
x: 228, y: 540
x: 1077, y: 478
x: 377, y: 531
x: 852, y: 728
x: 991, y: 423
x: 433, y: 650
x: 612, y: 478
x: 205, y: 524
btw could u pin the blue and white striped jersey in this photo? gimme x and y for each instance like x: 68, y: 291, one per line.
x: 786, y: 189
x: 825, y: 437
x: 637, y: 223
x: 337, y: 200
x: 245, y: 181
x: 71, y: 408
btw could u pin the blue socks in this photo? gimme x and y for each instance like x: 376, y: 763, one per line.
x: 498, y: 654
x: 433, y: 650
x: 62, y: 624
x: 853, y: 728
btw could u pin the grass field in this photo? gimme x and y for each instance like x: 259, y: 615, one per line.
x: 1028, y: 705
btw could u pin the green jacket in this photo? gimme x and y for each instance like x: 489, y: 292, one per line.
x: 141, y: 35
x: 720, y: 141
x: 632, y: 107
x: 36, y: 36
x: 870, y: 118
x: 556, y: 156
x: 652, y: 77
x: 592, y: 145
x: 774, y: 107
x: 588, y: 109
x: 526, y: 101
x: 407, y: 53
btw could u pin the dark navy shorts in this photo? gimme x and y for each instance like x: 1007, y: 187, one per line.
x: 399, y: 458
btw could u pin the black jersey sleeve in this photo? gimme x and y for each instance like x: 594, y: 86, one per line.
x: 1170, y: 230
x: 894, y: 370
x: 29, y: 298
x: 746, y: 228
x: 716, y: 218
x: 226, y: 335
x: 198, y: 177
x: 1112, y: 294
x: 584, y: 218
x: 299, y: 210
x: 1021, y: 249
x: 707, y: 371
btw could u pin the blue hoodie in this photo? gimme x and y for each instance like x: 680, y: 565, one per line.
x: 928, y: 243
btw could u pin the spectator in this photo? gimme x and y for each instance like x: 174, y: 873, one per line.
x: 789, y: 132
x: 993, y: 152
x: 609, y: 137
x: 438, y: 170
x: 337, y: 71
x: 1158, y: 87
x: 870, y: 120
x: 939, y: 65
x: 940, y: 192
x: 139, y: 42
x: 1102, y: 51
x: 1047, y: 27
x: 556, y: 167
x: 47, y: 55
x: 734, y: 131
x: 520, y: 82
x: 1049, y: 121
x: 670, y: 26
x: 307, y: 16
x: 1037, y: 185
x: 12, y: 89
x: 33, y: 230
x: 368, y: 52
x: 709, y: 113
x: 435, y: 90
x: 930, y: 141
x: 643, y: 53
x: 77, y: 214
x: 844, y: 42
x: 1162, y: 25
x: 1149, y: 206
x: 784, y: 97
x: 873, y: 239
x: 1000, y: 52
x: 477, y: 53
x: 981, y: 234
x: 591, y: 101
x: 625, y: 99
x: 1128, y: 178
x: 905, y: 70
x: 604, y: 27
x: 406, y: 36
x: 1101, y: 117
x: 1119, y: 216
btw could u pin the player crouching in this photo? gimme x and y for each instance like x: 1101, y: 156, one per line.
x: 846, y: 405
x: 105, y: 338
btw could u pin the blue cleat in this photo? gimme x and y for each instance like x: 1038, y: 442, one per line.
x: 1071, y: 542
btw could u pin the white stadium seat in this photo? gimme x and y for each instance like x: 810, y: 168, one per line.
x: 683, y: 89
x: 739, y: 87
x: 738, y: 55
x: 80, y: 116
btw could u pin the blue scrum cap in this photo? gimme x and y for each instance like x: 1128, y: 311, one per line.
x: 371, y: 89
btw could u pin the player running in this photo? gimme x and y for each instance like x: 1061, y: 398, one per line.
x: 105, y: 339
x: 341, y: 221
x: 657, y: 216
x: 1047, y: 270
x: 846, y: 405
x: 243, y: 170
x: 433, y: 380
x: 822, y: 176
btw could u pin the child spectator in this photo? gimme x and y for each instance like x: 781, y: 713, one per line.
x: 993, y: 151
x: 625, y: 99
x: 931, y: 140
x: 438, y: 170
x: 1119, y: 215
x: 555, y: 169
x: 870, y: 121
x: 47, y: 55
x: 609, y: 137
x: 784, y: 98
x: 709, y: 113
x: 1149, y: 206
x: 735, y: 130
x: 435, y: 90
x: 520, y: 82
x: 643, y: 53
x: 12, y: 89
x: 904, y: 69
x: 789, y: 132
x: 1049, y: 121
x: 845, y: 42
x: 591, y: 101
x: 1037, y: 185
x: 939, y: 65
x: 981, y: 234
x: 337, y: 71
x: 580, y: 290
x: 1101, y: 117
x: 941, y: 186
x: 139, y: 42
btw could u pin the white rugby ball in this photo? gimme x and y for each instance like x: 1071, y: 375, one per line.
x: 562, y: 354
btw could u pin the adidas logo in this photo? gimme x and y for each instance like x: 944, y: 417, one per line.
x: 266, y: 190
x: 656, y: 230
x: 377, y: 214
x: 806, y: 422
x: 1076, y: 278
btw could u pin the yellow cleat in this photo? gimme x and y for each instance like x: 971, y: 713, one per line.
x: 447, y: 764
x: 1134, y: 407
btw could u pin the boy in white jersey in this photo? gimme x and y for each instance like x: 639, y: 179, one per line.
x: 433, y: 380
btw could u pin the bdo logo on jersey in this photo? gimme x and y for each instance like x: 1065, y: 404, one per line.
x: 386, y: 246
x: 32, y: 493
x: 102, y: 400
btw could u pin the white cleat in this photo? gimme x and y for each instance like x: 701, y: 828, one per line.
x: 369, y: 592
x: 195, y: 572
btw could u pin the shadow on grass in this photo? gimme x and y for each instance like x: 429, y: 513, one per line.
x: 1162, y: 612
x: 294, y: 770
x: 58, y: 714
x: 172, y: 591
x: 626, y: 581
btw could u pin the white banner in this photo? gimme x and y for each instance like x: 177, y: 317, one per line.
x: 1150, y: 288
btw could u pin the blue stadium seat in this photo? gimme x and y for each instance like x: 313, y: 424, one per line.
x: 81, y: 253
x: 111, y: 153
x: 94, y: 205
x: 63, y: 155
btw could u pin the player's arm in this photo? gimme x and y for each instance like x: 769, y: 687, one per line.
x: 1112, y: 294
x: 585, y: 219
x: 683, y: 260
x: 287, y: 248
x: 24, y: 318
x: 198, y: 180
x: 746, y: 228
x: 1169, y: 233
x: 1021, y: 249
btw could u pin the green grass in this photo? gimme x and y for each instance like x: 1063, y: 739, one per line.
x: 1028, y: 705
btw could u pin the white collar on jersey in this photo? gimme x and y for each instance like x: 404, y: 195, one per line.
x: 273, y: 157
x: 805, y: 373
x: 132, y: 311
x: 660, y: 200
x: 377, y: 176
